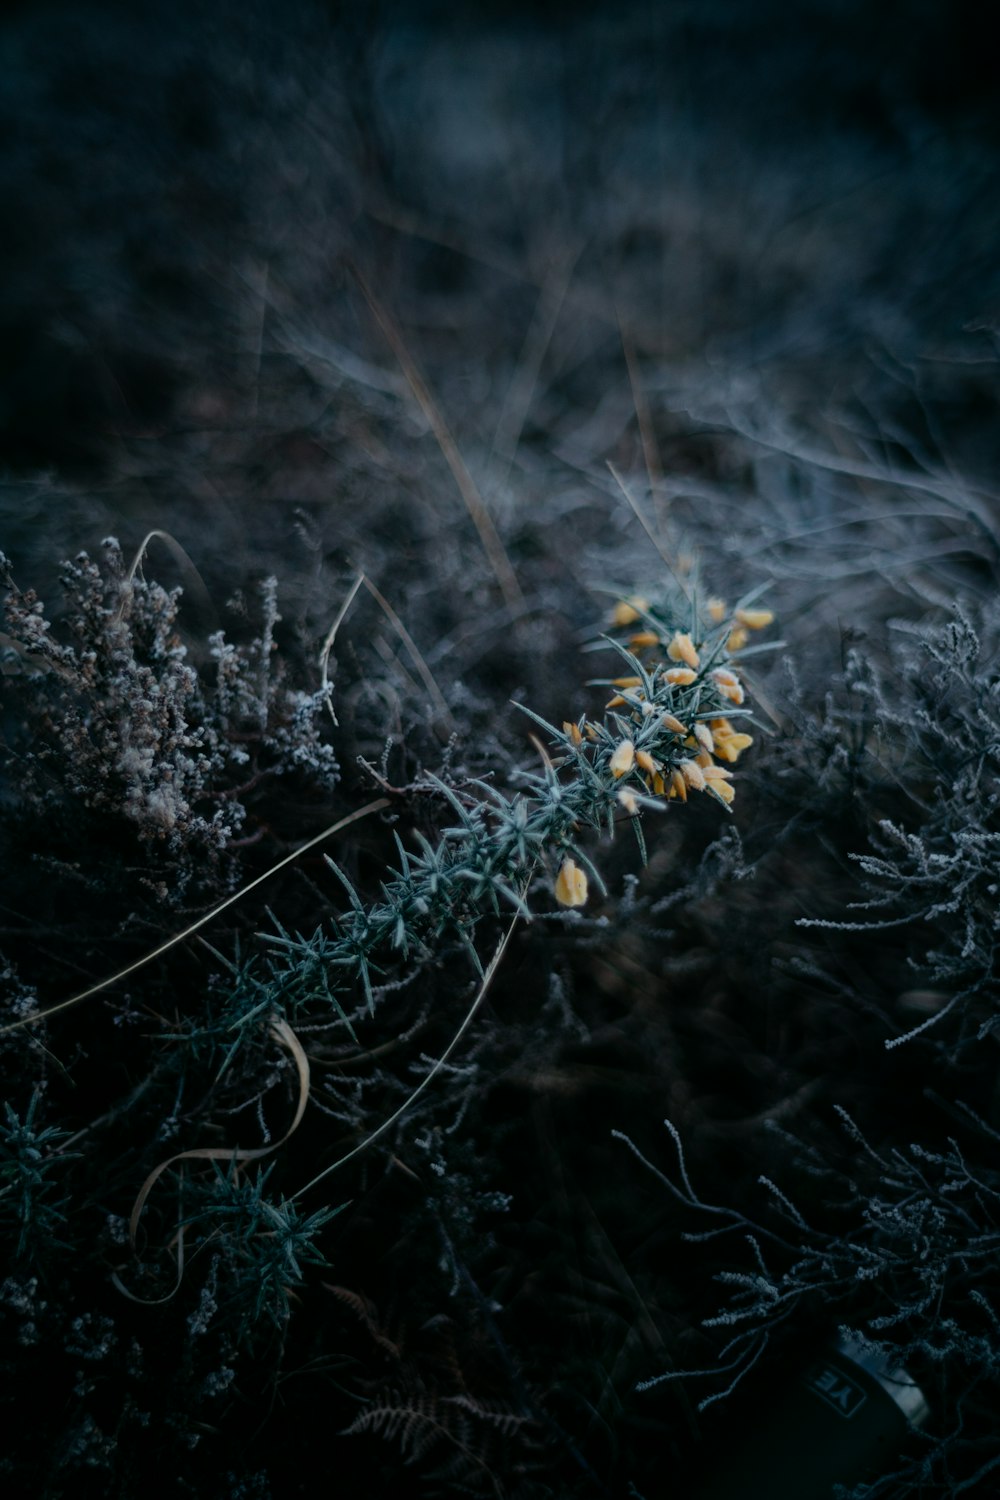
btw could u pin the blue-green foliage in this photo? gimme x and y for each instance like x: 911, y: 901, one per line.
x: 33, y: 1200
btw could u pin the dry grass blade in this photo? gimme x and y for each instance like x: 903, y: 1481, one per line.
x: 180, y: 557
x: 517, y: 402
x: 424, y: 670
x: 283, y: 1033
x: 634, y: 508
x: 483, y: 521
x: 327, y: 647
x: 647, y: 436
x: 147, y: 958
x: 424, y: 1083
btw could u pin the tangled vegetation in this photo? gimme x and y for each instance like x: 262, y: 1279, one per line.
x: 545, y: 685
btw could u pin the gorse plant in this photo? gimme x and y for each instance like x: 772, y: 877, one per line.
x: 671, y: 730
x: 664, y: 732
x: 263, y: 1243
x: 33, y: 1202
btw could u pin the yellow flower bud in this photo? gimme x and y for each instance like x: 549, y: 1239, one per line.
x: 623, y: 759
x: 674, y: 725
x: 627, y: 611
x: 728, y: 684
x: 703, y: 735
x: 681, y: 648
x: 755, y: 619
x: 572, y: 733
x: 571, y: 884
x: 717, y: 610
x: 693, y: 774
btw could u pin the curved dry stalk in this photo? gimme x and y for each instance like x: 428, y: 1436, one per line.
x: 418, y: 661
x: 470, y: 1016
x: 180, y: 557
x: 327, y: 647
x: 147, y: 958
x: 283, y: 1033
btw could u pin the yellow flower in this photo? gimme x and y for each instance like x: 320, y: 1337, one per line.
x: 646, y: 762
x: 643, y: 638
x: 755, y: 619
x: 703, y: 735
x: 678, y: 786
x: 724, y: 790
x: 717, y: 610
x: 623, y: 759
x: 680, y: 676
x: 728, y: 684
x: 737, y: 639
x: 731, y: 749
x: 572, y: 733
x: 729, y: 745
x: 629, y: 801
x: 627, y: 611
x: 571, y: 884
x: 674, y: 725
x: 693, y: 774
x: 681, y: 648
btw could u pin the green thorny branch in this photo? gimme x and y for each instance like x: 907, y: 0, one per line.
x: 663, y: 734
